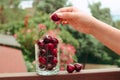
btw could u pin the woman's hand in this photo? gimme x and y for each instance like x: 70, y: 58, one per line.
x: 77, y: 19
x: 85, y: 23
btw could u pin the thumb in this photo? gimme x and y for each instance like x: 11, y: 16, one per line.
x: 65, y: 15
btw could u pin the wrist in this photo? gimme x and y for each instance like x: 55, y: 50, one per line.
x: 92, y: 26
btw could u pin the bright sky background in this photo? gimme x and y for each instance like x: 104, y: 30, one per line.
x: 114, y: 5
x: 26, y: 4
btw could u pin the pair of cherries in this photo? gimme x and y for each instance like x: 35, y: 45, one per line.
x: 77, y: 67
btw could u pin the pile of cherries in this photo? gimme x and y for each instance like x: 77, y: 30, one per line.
x: 77, y: 67
x: 47, y: 53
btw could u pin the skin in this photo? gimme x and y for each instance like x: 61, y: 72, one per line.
x: 87, y: 24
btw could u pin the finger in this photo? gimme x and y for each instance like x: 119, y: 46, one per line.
x: 65, y: 9
x: 65, y: 15
x: 64, y: 22
x: 58, y: 22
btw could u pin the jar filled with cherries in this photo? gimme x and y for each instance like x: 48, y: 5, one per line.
x: 47, y: 55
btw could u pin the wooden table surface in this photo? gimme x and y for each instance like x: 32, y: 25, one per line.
x: 91, y: 74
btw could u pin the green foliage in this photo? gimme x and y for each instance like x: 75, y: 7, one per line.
x: 41, y: 17
x: 68, y: 38
x: 117, y: 24
x: 10, y: 3
x: 49, y: 6
x: 30, y: 66
x: 117, y: 62
x: 11, y: 28
x: 9, y: 11
x: 91, y: 50
x: 11, y: 15
x: 102, y: 14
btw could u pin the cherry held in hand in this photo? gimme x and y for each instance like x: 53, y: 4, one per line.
x: 55, y: 18
x: 70, y: 68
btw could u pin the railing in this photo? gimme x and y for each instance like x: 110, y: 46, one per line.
x: 91, y: 74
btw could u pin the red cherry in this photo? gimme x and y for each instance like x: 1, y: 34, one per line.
x: 50, y: 58
x: 54, y: 17
x: 54, y: 61
x: 55, y: 41
x: 49, y: 46
x: 40, y: 43
x: 42, y: 60
x: 54, y: 52
x: 41, y: 66
x: 70, y: 68
x: 47, y: 39
x: 42, y: 52
x: 78, y: 67
x: 49, y: 66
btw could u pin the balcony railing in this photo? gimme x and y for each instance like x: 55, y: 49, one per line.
x: 90, y: 74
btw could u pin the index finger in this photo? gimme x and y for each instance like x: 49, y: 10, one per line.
x: 65, y: 9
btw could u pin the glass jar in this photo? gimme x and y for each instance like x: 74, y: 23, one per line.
x: 47, y: 55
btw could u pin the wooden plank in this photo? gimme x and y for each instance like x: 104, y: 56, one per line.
x: 92, y: 74
x: 11, y: 60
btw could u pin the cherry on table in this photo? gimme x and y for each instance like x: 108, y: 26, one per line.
x: 70, y: 68
x: 78, y: 66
